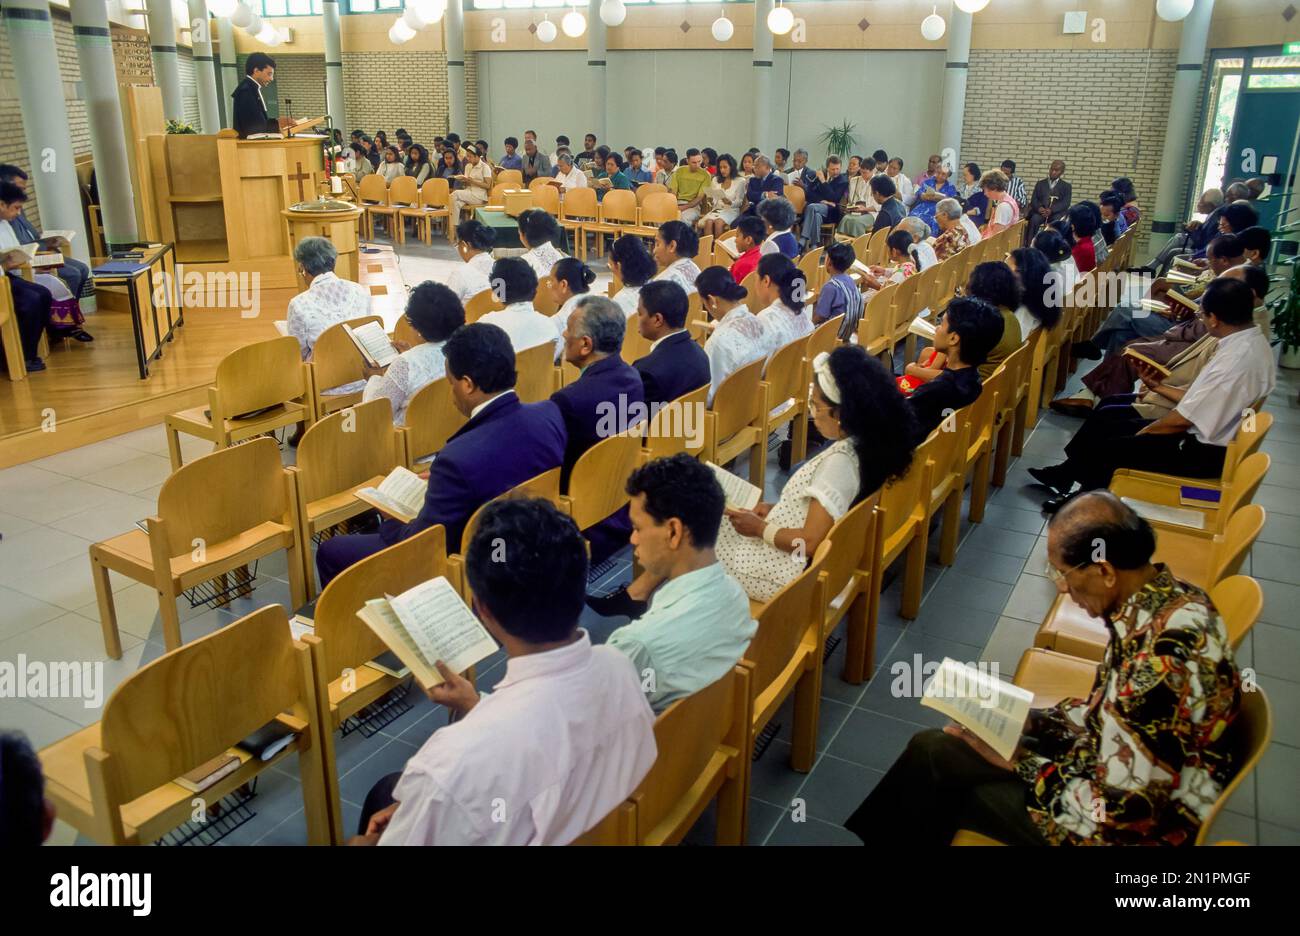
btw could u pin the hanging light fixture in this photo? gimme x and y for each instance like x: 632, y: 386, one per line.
x: 546, y: 30
x: 267, y: 34
x: 613, y: 12
x: 971, y: 6
x: 933, y: 26
x: 1171, y: 11
x: 574, y: 24
x: 428, y: 10
x: 780, y: 20
x: 241, y: 16
x: 222, y: 7
x: 400, y: 32
x: 254, y: 25
x: 722, y: 28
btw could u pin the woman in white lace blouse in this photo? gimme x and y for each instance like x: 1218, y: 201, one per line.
x: 632, y: 266
x: 538, y: 231
x: 783, y: 292
x: 474, y: 243
x: 857, y: 406
x: 435, y: 312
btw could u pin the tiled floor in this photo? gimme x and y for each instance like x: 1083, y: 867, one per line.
x: 985, y: 607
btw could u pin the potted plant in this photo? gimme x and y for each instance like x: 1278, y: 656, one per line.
x: 839, y: 140
x: 180, y: 126
x: 1286, y: 319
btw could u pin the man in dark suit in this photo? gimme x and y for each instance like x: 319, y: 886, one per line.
x: 505, y: 443
x: 250, y: 109
x: 763, y: 184
x: 676, y: 364
x: 891, y: 210
x: 1051, y: 198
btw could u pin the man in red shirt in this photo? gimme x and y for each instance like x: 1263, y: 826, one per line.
x: 750, y: 232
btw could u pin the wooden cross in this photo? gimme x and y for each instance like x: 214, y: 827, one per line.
x: 300, y: 176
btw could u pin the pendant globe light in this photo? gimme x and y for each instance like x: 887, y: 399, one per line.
x: 722, y: 28
x: 222, y: 7
x: 546, y: 30
x: 1171, y: 11
x: 574, y: 24
x: 613, y: 12
x: 933, y: 27
x: 971, y: 6
x: 780, y: 20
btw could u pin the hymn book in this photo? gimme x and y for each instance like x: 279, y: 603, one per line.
x: 373, y: 343
x: 23, y: 253
x: 1163, y: 513
x: 728, y: 247
x: 1155, y: 365
x: 740, y: 494
x: 1181, y: 279
x: 209, y: 772
x: 1184, y: 264
x: 400, y: 495
x: 427, y: 623
x: 992, y: 710
x: 922, y: 327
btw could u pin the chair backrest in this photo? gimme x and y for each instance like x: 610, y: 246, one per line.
x: 497, y: 196
x: 540, y: 183
x: 547, y: 198
x: 646, y: 189
x: 861, y: 245
x: 900, y: 497
x: 878, y: 247
x: 1017, y: 365
x: 983, y: 411
x: 785, y: 373
x: 905, y: 302
x: 260, y: 375
x: 658, y: 207
x: 1239, y: 601
x: 374, y: 190
x: 578, y: 203
x: 1231, y: 546
x: 335, y: 360
x: 347, y: 448
x: 810, y: 266
x: 700, y: 738
x: 545, y: 485
x: 678, y: 426
x: 618, y: 206
x: 635, y: 346
x: 738, y: 403
x: 403, y: 191
x: 431, y: 419
x: 514, y: 178
x: 704, y: 253
x: 435, y: 193
x: 536, y: 373
x: 480, y: 304
x: 1246, y: 739
x: 878, y: 316
x: 750, y: 285
x: 945, y: 449
x: 193, y: 703
x: 824, y: 337
x: 796, y: 197
x: 851, y: 538
x: 927, y: 287
x: 785, y: 620
x: 598, y: 483
x: 222, y: 494
x: 1244, y: 484
x: 405, y: 332
x: 345, y: 639
x: 543, y: 301
x: 1250, y: 435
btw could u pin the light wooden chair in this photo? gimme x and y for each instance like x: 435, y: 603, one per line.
x: 785, y: 390
x: 905, y: 307
x: 340, y: 454
x: 547, y: 198
x: 703, y: 757
x: 672, y: 429
x: 434, y: 204
x: 10, y: 336
x: 544, y: 302
x: 480, y: 304
x: 1235, y: 493
x: 656, y: 208
x: 343, y: 645
x: 927, y: 294
x: 876, y: 327
x: 825, y: 337
x: 1204, y: 559
x: 1249, y: 437
x: 946, y: 449
x: 258, y: 388
x: 598, y: 482
x: 405, y: 332
x: 982, y: 415
x: 404, y: 199
x: 737, y: 421
x: 617, y: 213
x: 374, y: 201
x: 512, y: 178
x: 578, y: 208
x: 536, y: 373
x: 114, y: 781
x: 635, y: 346
x: 786, y: 657
x: 216, y: 514
x: 848, y: 575
x: 1008, y: 421
x: 497, y: 195
x: 795, y: 196
x: 877, y: 248
x: 1044, y: 349
x: 541, y: 183
x: 704, y: 252
x: 431, y: 419
x: 646, y: 189
x: 336, y: 362
x: 810, y: 265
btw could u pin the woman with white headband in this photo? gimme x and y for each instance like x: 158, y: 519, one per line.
x: 856, y: 405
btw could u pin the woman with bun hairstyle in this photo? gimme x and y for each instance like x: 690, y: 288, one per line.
x: 738, y: 336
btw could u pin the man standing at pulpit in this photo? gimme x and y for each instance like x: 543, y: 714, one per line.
x: 250, y: 107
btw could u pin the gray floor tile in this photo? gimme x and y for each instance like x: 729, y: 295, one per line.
x: 953, y: 619
x: 991, y: 566
x: 771, y: 778
x: 811, y: 832
x: 836, y: 788
x: 763, y: 818
x: 1277, y: 651
x: 971, y: 591
x: 830, y: 716
x: 1031, y: 599
x: 1281, y: 603
x: 391, y: 758
x: 1004, y: 542
x: 872, y: 740
x: 1232, y: 827
x: 1276, y: 776
x: 1270, y: 834
x: 1014, y: 518
x: 1277, y: 499
x: 1279, y: 563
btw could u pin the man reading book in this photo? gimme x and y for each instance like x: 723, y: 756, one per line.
x: 1139, y: 761
x: 564, y: 737
x: 504, y: 443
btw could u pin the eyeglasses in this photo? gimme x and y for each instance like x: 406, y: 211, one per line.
x: 1056, y: 575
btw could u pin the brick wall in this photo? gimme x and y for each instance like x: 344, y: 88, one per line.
x: 397, y: 89
x: 1103, y: 111
x: 301, y: 79
x: 189, y: 86
x: 471, y: 101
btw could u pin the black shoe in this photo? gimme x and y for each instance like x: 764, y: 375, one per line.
x: 35, y: 364
x: 1072, y: 406
x: 1053, y: 478
x: 1052, y: 505
x: 619, y: 604
x: 81, y: 335
x: 1087, y: 350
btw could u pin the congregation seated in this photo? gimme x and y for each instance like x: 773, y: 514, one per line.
x: 538, y: 232
x: 890, y: 210
x: 726, y: 194
x: 536, y: 164
x: 676, y: 364
x: 840, y: 294
x: 675, y: 248
x: 738, y: 337
x: 996, y: 284
x: 511, y: 158
x: 1083, y: 225
x: 783, y: 291
x: 435, y: 312
x: 328, y: 299
x: 779, y: 217
x: 567, y: 175
x: 764, y: 184
x: 418, y: 166
x: 970, y: 329
x: 564, y: 737
x: 391, y: 167
x: 692, y: 624
x: 855, y: 406
x: 929, y: 193
x: 750, y: 233
x: 1040, y: 290
x: 633, y: 266
x: 1056, y: 249
x: 825, y: 192
x: 504, y: 443
x: 974, y: 202
x: 570, y: 282
x: 901, y: 263
x: 474, y: 243
x: 448, y: 167
x: 921, y: 250
x: 525, y: 326
x: 1139, y: 761
x: 1191, y: 439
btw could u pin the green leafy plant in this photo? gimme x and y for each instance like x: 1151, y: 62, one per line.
x: 180, y: 126
x: 1286, y: 312
x: 839, y: 140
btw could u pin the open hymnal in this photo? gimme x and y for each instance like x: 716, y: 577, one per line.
x: 728, y: 247
x: 23, y: 253
x: 992, y: 710
x: 1139, y: 356
x: 740, y: 494
x: 47, y: 260
x: 922, y: 327
x: 1163, y: 513
x: 1177, y: 297
x: 1181, y: 279
x: 373, y: 343
x: 400, y: 495
x: 427, y: 623
x: 1184, y: 264
x: 54, y: 240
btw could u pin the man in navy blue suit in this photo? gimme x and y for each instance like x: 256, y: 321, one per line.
x: 763, y: 184
x: 676, y: 363
x: 504, y: 443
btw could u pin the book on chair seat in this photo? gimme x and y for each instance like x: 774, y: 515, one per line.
x: 427, y: 623
x: 373, y: 343
x: 269, y: 740
x: 208, y: 773
x: 400, y: 495
x: 991, y: 709
x: 740, y: 494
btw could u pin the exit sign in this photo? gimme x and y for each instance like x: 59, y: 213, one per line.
x: 1291, y: 48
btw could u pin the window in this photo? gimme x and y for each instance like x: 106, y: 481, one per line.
x: 287, y: 7
x: 373, y: 6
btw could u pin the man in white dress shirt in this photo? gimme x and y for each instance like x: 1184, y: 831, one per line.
x: 569, y: 176
x: 565, y: 736
x: 474, y: 243
x: 515, y: 284
x: 328, y: 299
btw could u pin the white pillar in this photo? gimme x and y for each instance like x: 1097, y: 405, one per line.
x: 45, y: 118
x: 1182, y: 116
x: 761, y: 88
x: 597, y: 95
x: 229, y: 70
x: 162, y: 43
x: 954, y: 86
x: 90, y: 31
x: 205, y: 76
x: 454, y: 34
x: 334, y: 67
